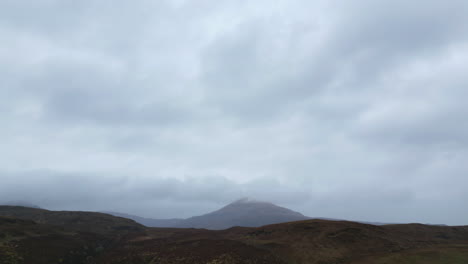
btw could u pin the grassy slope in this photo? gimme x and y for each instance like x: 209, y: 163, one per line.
x: 447, y: 254
x: 319, y: 241
x: 36, y: 236
x: 312, y: 241
x: 24, y: 241
x: 77, y: 221
x: 77, y: 237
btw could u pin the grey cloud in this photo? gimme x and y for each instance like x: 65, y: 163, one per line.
x: 419, y: 112
x: 89, y: 191
x: 173, y: 108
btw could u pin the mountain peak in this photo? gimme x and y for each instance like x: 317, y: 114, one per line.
x: 248, y: 200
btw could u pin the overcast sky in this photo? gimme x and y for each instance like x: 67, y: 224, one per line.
x: 346, y: 109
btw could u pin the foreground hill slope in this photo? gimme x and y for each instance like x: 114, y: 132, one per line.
x: 27, y: 242
x: 310, y: 241
x: 71, y: 220
x: 47, y: 237
x: 320, y: 241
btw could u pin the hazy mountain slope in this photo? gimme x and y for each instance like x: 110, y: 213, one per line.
x: 244, y: 212
x: 149, y: 222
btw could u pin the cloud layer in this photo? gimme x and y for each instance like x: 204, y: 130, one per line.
x: 340, y: 109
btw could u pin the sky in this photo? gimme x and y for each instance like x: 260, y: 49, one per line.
x: 345, y: 109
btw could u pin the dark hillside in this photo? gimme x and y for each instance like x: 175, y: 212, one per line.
x: 71, y: 220
x: 310, y: 241
x: 24, y: 241
x: 93, y: 238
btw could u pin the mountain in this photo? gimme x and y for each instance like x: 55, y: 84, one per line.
x: 244, y: 212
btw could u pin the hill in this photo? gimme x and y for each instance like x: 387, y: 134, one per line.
x: 302, y: 242
x: 27, y: 242
x: 48, y: 237
x: 71, y: 220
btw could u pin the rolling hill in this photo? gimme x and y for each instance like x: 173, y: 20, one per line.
x: 76, y: 221
x: 32, y: 236
x: 301, y: 242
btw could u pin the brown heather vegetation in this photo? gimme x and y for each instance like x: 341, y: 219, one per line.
x: 34, y: 236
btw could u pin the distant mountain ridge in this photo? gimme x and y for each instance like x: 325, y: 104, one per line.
x: 149, y: 222
x: 245, y: 212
